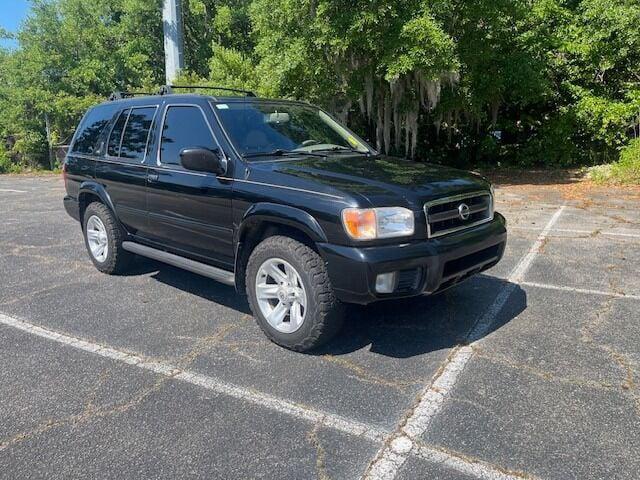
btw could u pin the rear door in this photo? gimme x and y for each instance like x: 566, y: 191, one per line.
x: 189, y: 212
x: 122, y: 170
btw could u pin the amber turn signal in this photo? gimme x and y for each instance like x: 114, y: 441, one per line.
x: 360, y: 224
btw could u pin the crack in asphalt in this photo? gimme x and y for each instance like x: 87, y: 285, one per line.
x: 588, y: 333
x: 92, y: 412
x: 235, y: 346
x: 422, y: 446
x: 41, y: 291
x: 89, y: 412
x: 361, y: 373
x: 541, y: 373
x: 321, y: 454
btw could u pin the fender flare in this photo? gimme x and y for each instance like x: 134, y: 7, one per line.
x: 98, y: 190
x: 276, y: 214
x: 284, y: 215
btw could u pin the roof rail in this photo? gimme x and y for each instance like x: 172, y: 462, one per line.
x: 168, y: 89
x: 121, y: 95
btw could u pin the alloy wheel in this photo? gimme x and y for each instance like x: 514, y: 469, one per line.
x: 97, y: 238
x: 281, y: 295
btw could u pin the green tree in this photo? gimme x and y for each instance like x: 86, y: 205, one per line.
x: 388, y: 57
x: 551, y: 82
x: 72, y: 53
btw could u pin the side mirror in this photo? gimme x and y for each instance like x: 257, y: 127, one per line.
x: 203, y: 160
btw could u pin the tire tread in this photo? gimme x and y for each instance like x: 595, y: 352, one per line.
x: 329, y: 316
x: 118, y: 259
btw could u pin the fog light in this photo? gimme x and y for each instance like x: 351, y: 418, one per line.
x: 386, y: 282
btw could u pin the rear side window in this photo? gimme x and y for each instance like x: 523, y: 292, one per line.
x: 116, y: 134
x: 90, y: 133
x: 184, y: 126
x: 136, y: 133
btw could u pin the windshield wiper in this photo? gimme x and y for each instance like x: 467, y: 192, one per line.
x: 340, y: 149
x: 278, y: 152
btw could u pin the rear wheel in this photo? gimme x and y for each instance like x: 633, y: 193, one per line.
x: 103, y: 238
x: 290, y: 294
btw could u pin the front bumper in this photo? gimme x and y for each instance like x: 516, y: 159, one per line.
x: 425, y: 267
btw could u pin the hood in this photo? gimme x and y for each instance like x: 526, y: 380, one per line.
x: 380, y: 179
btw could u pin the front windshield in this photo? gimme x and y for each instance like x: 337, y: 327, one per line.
x: 262, y: 128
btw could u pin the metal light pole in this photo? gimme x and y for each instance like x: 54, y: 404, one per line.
x: 173, y: 39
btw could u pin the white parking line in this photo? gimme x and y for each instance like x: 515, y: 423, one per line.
x: 521, y: 269
x: 583, y: 232
x: 581, y: 290
x: 477, y: 469
x: 400, y: 443
x: 286, y: 407
x: 11, y: 190
x: 280, y: 405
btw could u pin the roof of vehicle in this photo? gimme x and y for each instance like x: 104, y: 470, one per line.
x: 172, y: 92
x: 190, y: 97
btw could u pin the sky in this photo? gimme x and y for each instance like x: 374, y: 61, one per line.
x: 12, y: 12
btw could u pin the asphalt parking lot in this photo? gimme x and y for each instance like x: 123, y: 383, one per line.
x: 528, y: 371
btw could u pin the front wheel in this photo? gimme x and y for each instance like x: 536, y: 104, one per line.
x: 290, y: 294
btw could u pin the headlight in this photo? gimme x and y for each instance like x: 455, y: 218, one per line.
x: 371, y: 223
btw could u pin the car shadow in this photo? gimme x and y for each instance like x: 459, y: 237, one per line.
x: 395, y: 328
x: 192, y: 283
x: 414, y: 326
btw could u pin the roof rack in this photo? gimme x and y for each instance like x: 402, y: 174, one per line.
x: 121, y: 95
x: 168, y: 89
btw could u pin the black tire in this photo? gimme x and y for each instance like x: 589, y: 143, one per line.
x: 324, y: 316
x: 117, y: 259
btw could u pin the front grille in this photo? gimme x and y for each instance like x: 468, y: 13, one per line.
x: 470, y: 263
x: 451, y: 214
x: 459, y: 269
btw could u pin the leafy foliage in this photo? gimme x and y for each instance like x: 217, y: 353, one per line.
x: 625, y: 170
x: 526, y: 82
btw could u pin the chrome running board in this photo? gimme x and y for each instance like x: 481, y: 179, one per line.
x: 223, y: 276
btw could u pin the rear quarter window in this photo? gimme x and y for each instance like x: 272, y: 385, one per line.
x: 136, y: 133
x: 116, y: 134
x: 91, y: 130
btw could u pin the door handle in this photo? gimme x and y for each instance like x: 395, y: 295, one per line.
x: 152, y: 177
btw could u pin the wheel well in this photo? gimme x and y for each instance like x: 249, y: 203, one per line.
x: 256, y: 234
x: 84, y: 199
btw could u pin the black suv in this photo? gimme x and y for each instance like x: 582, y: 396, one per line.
x: 278, y: 199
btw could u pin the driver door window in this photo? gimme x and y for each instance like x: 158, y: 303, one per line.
x: 184, y: 127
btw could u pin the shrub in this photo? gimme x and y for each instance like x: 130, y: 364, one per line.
x: 552, y: 144
x: 626, y: 170
x: 6, y: 165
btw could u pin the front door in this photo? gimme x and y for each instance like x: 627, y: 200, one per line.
x: 189, y: 212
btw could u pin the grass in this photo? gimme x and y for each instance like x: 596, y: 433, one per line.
x: 9, y: 167
x: 625, y: 171
x: 20, y: 170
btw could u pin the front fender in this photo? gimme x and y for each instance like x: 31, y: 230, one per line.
x: 278, y: 214
x: 282, y: 214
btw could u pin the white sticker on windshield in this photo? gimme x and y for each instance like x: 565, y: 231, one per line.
x: 222, y: 106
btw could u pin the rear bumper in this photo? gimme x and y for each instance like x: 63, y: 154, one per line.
x: 426, y: 267
x: 72, y: 207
